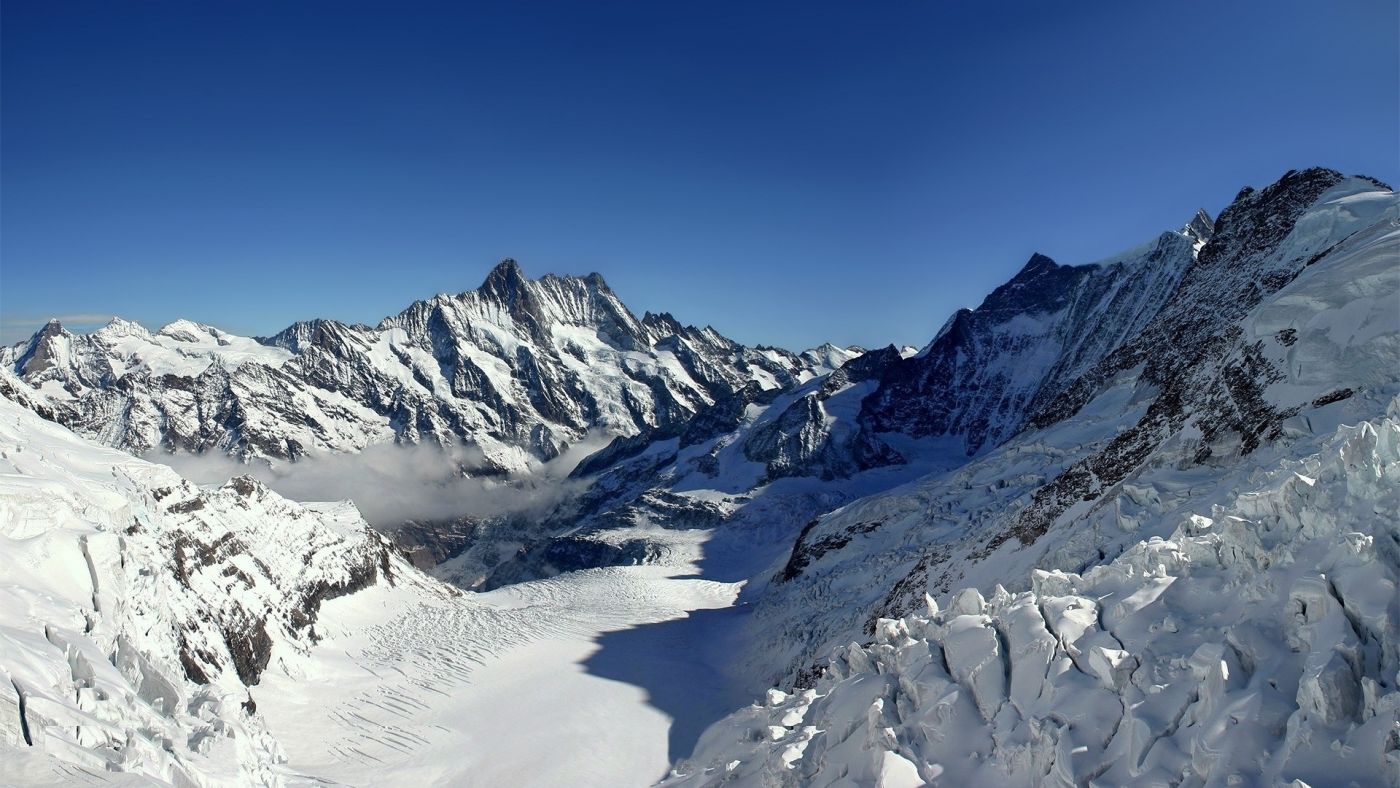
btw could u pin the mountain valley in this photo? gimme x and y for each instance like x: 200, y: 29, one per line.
x: 1130, y: 521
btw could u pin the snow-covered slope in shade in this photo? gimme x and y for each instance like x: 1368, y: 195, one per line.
x: 1259, y: 643
x: 136, y: 609
x: 990, y: 367
x: 519, y: 368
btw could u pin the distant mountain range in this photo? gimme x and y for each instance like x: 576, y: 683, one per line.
x: 518, y: 368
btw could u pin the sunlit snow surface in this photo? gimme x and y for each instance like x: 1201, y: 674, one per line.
x: 410, y: 683
x: 467, y: 692
x: 1269, y: 624
x: 520, y: 370
x: 1258, y: 644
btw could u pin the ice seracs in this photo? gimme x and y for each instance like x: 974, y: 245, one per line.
x: 1258, y: 643
x: 1210, y: 390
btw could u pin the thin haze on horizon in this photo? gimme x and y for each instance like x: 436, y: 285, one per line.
x: 790, y: 173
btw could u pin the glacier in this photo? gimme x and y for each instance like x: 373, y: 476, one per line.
x: 1258, y: 643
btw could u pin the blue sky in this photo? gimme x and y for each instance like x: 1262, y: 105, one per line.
x: 788, y: 172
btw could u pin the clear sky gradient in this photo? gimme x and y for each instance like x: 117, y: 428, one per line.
x: 788, y: 172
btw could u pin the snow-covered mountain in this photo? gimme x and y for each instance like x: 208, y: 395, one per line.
x: 1257, y: 644
x: 1137, y: 393
x: 1008, y: 367
x: 518, y: 369
x: 153, y: 632
x: 990, y: 367
x: 1284, y: 326
x: 1198, y: 528
x: 136, y: 609
x: 1126, y: 522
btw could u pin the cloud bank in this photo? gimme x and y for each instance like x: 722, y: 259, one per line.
x: 393, y: 484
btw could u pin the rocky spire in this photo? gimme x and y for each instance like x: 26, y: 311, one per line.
x: 1199, y: 229
x: 505, y: 283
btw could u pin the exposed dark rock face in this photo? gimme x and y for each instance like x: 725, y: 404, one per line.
x: 802, y: 440
x: 429, y: 543
x: 805, y: 551
x: 359, y: 574
x: 989, y: 368
x: 1194, y: 353
x: 254, y: 590
x: 193, y: 662
x: 607, y: 526
x: 867, y: 366
x: 571, y: 553
x: 1231, y: 276
x: 251, y: 648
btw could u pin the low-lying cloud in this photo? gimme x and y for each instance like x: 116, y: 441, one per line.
x: 392, y: 484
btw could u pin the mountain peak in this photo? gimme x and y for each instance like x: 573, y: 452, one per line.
x: 183, y: 330
x: 1037, y: 262
x: 1199, y: 229
x: 507, y: 265
x: 119, y: 327
x: 44, y: 348
x: 48, y: 332
x: 505, y: 280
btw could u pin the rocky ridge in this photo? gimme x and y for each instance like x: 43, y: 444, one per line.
x: 518, y: 369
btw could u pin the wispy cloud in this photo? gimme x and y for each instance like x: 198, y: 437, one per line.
x: 16, y: 328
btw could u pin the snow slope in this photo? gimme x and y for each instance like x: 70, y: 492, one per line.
x: 500, y: 690
x: 1259, y: 643
x: 1252, y: 377
x: 154, y: 632
x: 135, y: 608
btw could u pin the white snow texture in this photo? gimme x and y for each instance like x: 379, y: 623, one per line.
x: 1133, y: 523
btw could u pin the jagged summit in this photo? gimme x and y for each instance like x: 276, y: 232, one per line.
x: 1037, y: 262
x: 508, y: 280
x: 520, y: 368
x: 53, y: 328
x: 120, y: 327
x: 43, y: 350
x: 507, y: 267
x: 1199, y: 229
x: 505, y: 283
